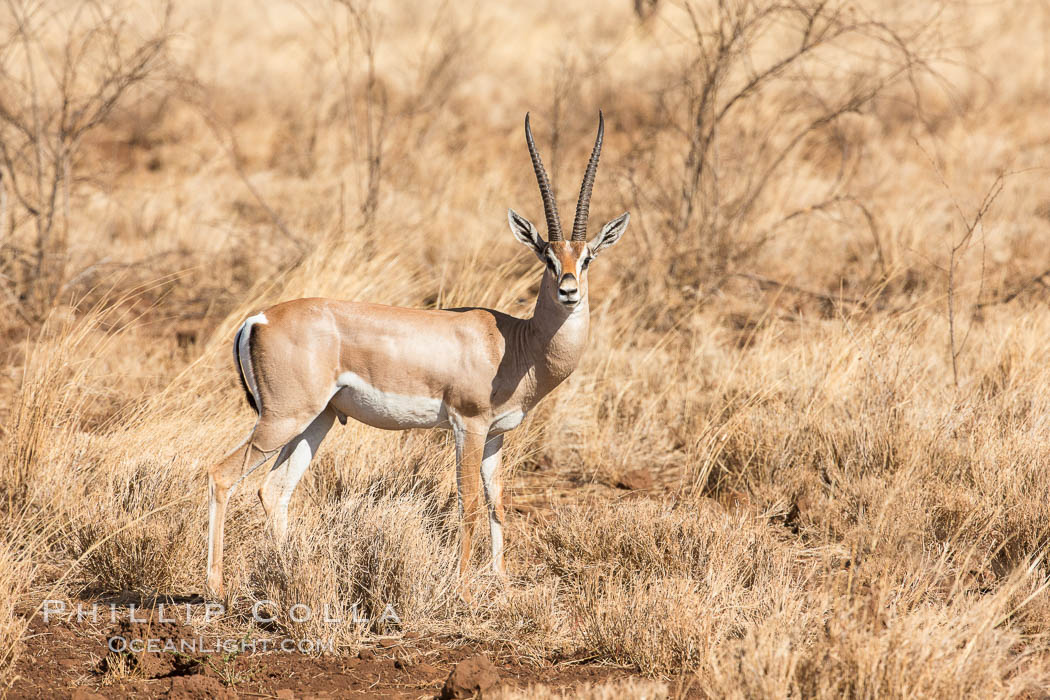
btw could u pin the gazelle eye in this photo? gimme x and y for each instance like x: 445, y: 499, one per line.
x: 586, y: 262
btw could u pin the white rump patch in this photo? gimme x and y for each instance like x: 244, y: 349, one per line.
x: 360, y: 400
x: 244, y: 355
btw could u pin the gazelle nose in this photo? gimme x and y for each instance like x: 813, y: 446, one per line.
x: 568, y: 288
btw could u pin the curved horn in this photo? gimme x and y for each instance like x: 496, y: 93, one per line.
x: 579, y: 227
x: 550, y: 206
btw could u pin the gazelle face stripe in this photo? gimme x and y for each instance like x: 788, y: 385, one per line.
x: 553, y: 263
x: 583, y: 261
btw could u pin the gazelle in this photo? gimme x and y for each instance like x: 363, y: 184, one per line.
x: 474, y: 371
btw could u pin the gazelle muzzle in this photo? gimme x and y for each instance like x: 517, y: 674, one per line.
x: 568, y: 289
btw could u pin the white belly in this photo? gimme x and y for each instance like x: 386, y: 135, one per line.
x: 361, y: 401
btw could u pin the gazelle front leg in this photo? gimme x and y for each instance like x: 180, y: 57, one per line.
x: 470, y: 448
x: 490, y: 478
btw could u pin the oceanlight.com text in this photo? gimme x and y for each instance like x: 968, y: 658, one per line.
x: 156, y: 645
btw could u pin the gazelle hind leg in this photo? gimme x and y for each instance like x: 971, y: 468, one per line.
x: 490, y: 479
x: 277, y: 488
x: 224, y: 476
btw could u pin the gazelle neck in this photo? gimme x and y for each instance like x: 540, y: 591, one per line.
x: 557, y: 334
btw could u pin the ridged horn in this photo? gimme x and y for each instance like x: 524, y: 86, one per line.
x: 550, y: 206
x: 579, y: 226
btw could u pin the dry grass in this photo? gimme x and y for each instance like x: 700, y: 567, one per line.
x: 16, y: 573
x: 851, y: 492
x: 631, y: 689
x: 367, y: 554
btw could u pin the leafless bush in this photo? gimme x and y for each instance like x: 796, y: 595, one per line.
x: 796, y: 70
x: 971, y: 226
x: 350, y: 35
x: 362, y: 29
x: 62, y: 73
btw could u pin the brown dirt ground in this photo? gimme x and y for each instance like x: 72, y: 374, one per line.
x: 71, y: 660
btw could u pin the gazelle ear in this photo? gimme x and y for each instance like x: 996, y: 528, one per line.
x: 610, y: 233
x: 526, y: 233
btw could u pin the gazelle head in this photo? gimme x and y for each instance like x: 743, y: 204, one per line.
x: 566, y: 260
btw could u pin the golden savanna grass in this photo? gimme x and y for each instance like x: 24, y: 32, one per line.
x: 824, y: 333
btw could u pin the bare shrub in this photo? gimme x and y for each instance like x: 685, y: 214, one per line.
x: 370, y: 111
x: 62, y: 73
x: 798, y: 71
